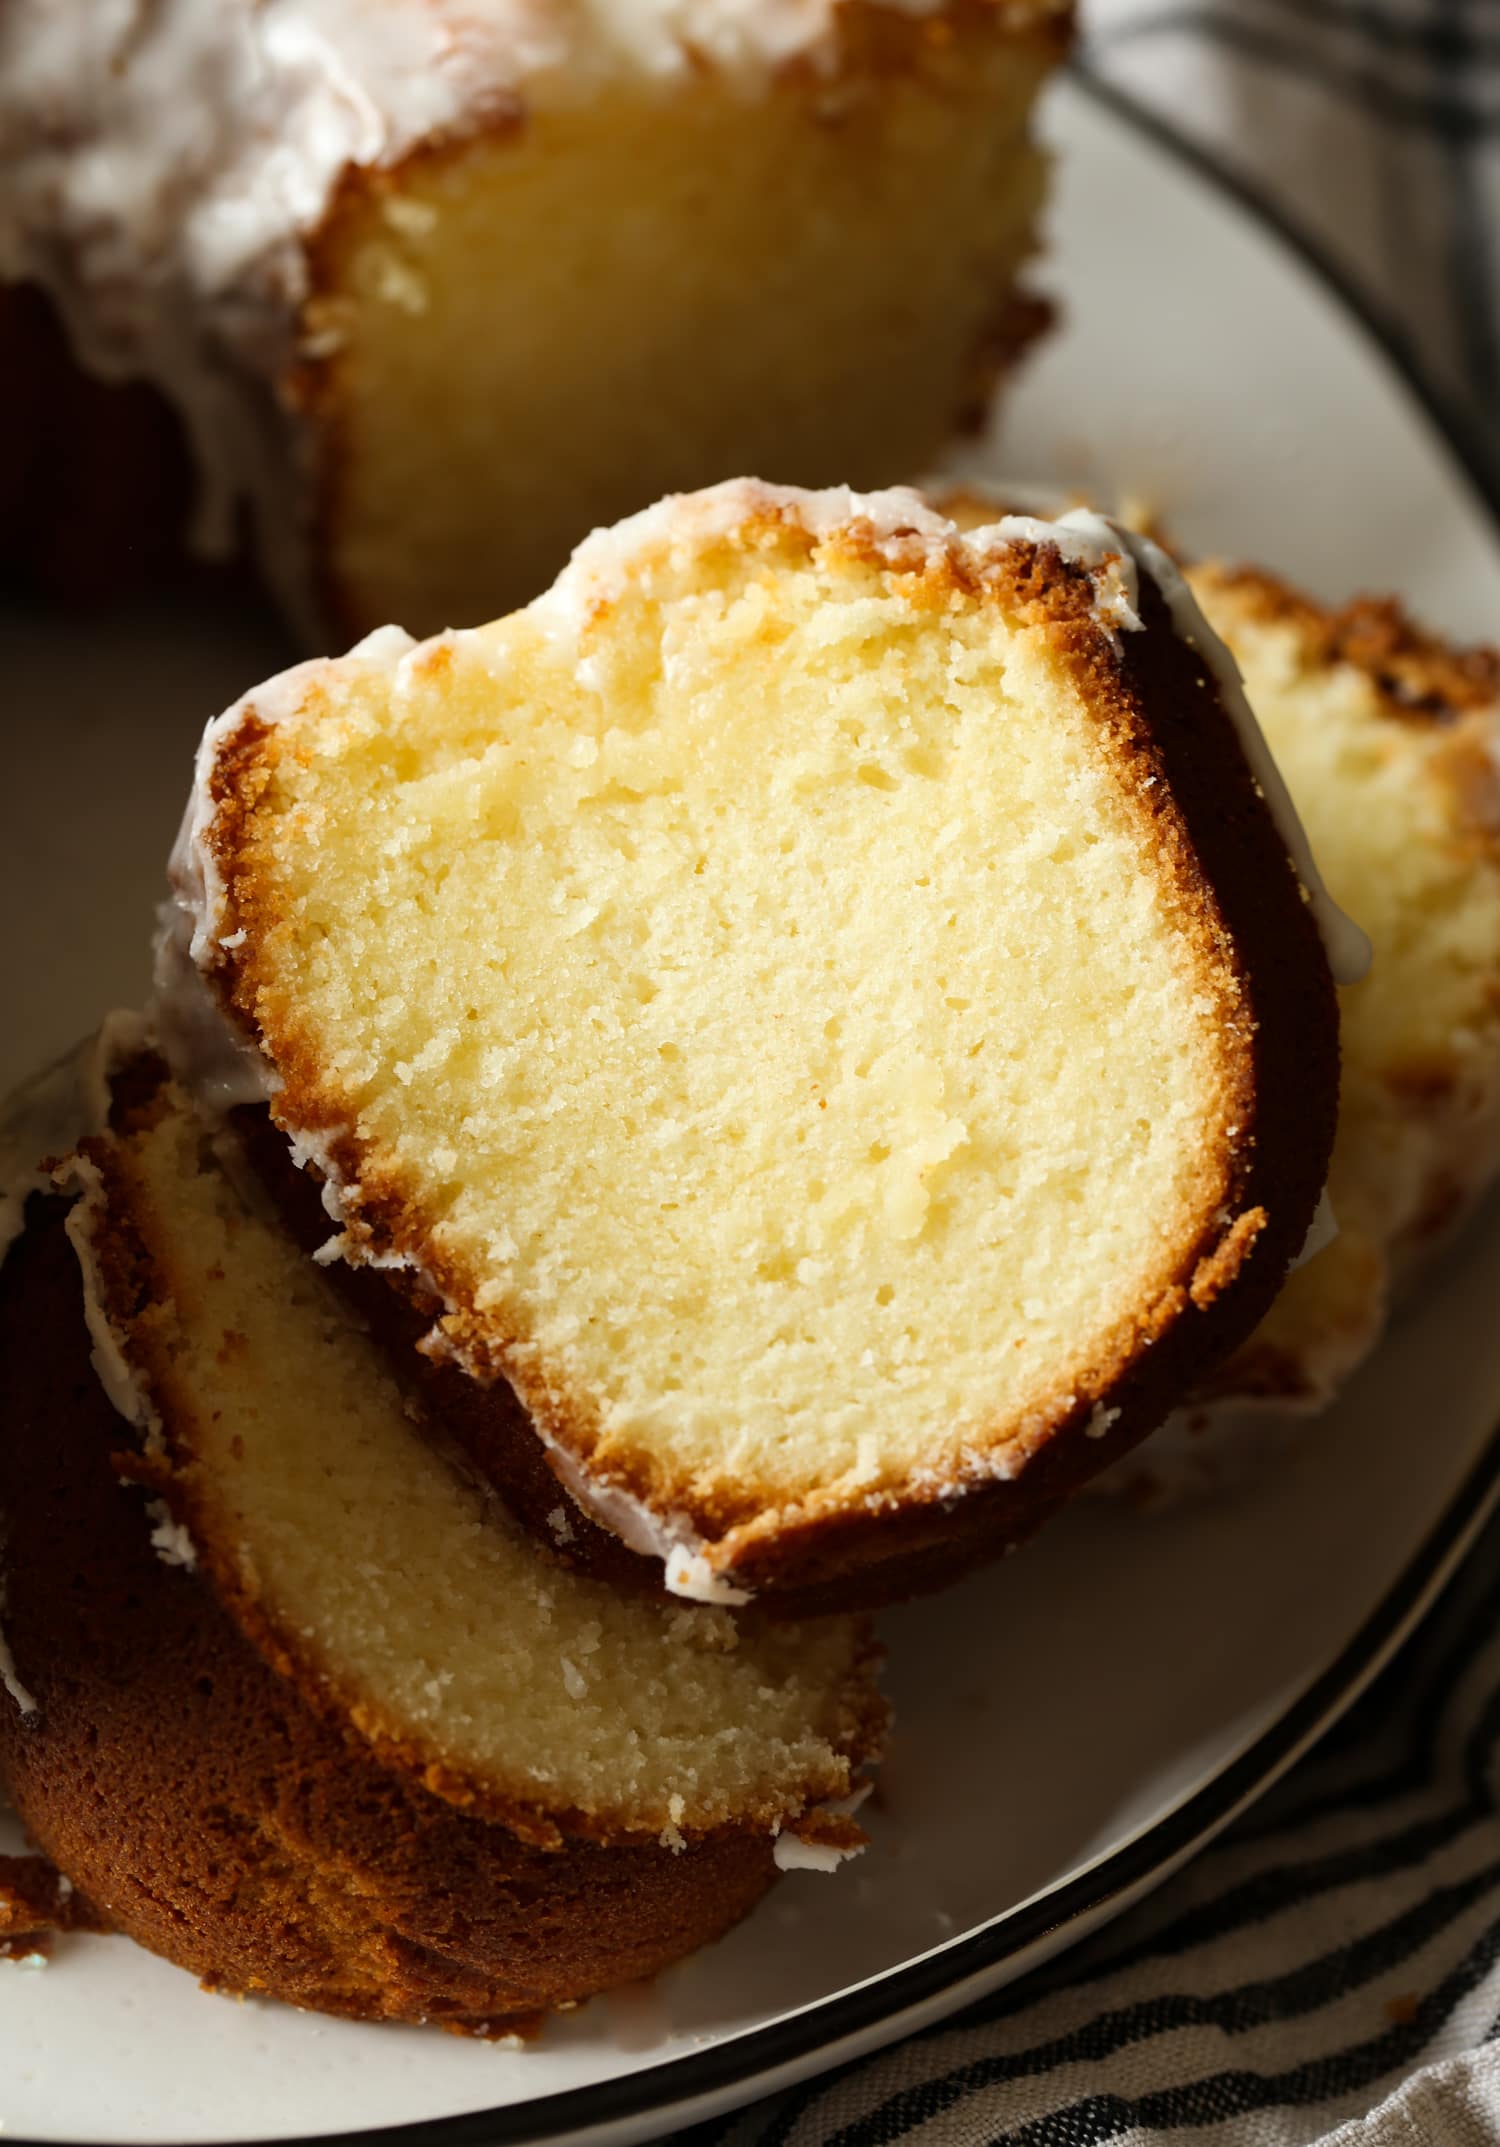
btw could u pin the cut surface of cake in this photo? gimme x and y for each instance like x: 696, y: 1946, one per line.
x: 294, y: 1703
x: 817, y: 1005
x: 1387, y: 737
x: 437, y: 287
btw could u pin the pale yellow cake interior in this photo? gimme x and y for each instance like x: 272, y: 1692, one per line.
x: 642, y: 290
x: 422, y: 1602
x: 775, y: 1004
x: 1401, y: 816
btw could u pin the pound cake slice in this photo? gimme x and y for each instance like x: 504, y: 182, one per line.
x: 1388, y: 739
x: 818, y: 1005
x: 291, y: 1702
x: 437, y: 285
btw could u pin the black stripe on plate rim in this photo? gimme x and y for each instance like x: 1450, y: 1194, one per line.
x: 873, y: 2013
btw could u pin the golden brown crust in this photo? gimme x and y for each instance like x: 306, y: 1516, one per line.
x: 1225, y: 876
x: 1419, y: 677
x: 203, y: 1809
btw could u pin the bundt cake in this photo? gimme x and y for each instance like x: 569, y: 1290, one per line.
x: 289, y: 1701
x: 437, y: 285
x: 817, y: 1007
x: 1388, y: 739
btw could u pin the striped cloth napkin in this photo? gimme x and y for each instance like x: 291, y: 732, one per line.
x: 1330, y: 1970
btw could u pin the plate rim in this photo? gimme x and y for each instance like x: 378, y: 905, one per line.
x: 867, y: 2015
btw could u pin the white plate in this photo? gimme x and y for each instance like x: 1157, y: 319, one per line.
x: 1071, y: 1726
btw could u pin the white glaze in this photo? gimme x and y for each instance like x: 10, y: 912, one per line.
x: 170, y: 1539
x: 10, y: 1677
x: 670, y: 1537
x: 1321, y: 1232
x: 209, y: 1053
x: 794, y: 1853
x: 203, y: 1047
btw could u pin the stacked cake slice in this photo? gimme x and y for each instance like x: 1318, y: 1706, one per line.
x: 815, y: 1010
x: 751, y: 1079
x: 293, y: 1702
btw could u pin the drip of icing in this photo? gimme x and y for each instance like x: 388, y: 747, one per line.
x: 794, y: 1852
x: 208, y: 1052
x: 669, y: 1537
x: 170, y: 1539
x: 1321, y: 1232
x: 10, y: 1677
x: 221, y: 1068
x: 48, y: 1118
x: 45, y: 1118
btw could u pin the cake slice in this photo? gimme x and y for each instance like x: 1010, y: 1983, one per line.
x: 818, y: 1006
x: 1387, y: 737
x: 286, y: 1696
x: 434, y: 286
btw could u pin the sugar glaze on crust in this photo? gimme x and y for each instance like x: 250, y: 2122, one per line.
x: 1139, y: 650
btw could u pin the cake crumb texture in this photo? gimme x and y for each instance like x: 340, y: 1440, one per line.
x: 1387, y: 737
x: 776, y: 992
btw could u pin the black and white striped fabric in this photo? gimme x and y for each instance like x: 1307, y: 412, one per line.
x: 1330, y: 1970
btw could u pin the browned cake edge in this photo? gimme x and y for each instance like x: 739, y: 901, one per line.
x: 1227, y: 877
x: 1420, y: 677
x: 204, y: 1805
